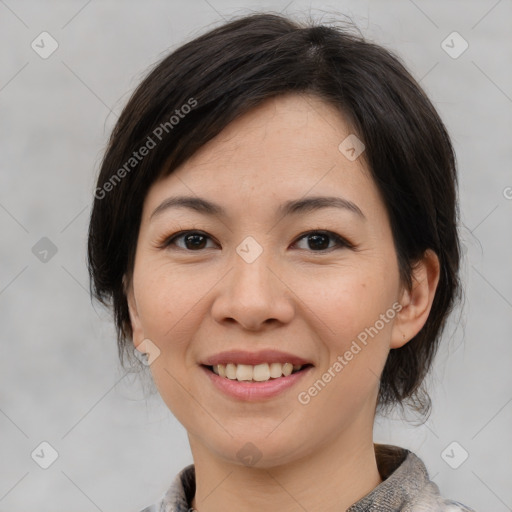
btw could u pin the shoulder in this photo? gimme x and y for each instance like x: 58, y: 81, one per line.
x: 407, y: 484
x: 429, y: 498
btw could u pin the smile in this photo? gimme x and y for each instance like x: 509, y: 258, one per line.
x: 255, y: 373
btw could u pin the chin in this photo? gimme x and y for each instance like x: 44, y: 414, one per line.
x: 260, y: 452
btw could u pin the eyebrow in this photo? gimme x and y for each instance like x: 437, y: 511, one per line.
x: 297, y: 206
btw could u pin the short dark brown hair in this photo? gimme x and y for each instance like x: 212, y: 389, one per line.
x: 225, y: 72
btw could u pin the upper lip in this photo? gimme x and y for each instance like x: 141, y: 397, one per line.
x: 254, y: 358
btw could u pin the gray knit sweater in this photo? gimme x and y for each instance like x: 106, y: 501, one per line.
x: 406, y: 487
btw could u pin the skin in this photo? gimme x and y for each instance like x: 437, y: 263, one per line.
x: 193, y: 303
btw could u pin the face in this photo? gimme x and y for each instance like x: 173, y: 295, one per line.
x: 252, y: 282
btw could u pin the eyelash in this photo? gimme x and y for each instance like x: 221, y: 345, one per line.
x: 339, y: 240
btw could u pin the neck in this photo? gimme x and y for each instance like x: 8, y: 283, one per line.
x: 333, y: 478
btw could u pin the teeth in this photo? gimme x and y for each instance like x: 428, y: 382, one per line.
x: 276, y: 370
x: 287, y: 369
x: 259, y: 373
x: 243, y: 372
x: 230, y: 371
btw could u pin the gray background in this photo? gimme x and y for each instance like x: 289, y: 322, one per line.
x: 60, y: 379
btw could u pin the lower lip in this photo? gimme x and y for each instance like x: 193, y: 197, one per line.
x: 253, y: 391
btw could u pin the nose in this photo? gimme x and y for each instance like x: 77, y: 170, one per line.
x: 253, y: 295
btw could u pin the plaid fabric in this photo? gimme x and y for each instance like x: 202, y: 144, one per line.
x: 406, y: 487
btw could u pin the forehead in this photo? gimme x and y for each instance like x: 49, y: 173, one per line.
x: 287, y: 147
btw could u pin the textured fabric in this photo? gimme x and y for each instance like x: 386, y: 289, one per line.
x: 406, y: 487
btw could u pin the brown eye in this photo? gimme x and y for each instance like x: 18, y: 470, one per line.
x: 318, y: 241
x: 192, y: 240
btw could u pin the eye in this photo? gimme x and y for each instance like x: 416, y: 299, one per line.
x: 193, y: 240
x: 319, y: 240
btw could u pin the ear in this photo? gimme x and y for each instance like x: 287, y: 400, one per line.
x: 138, y: 332
x: 417, y: 302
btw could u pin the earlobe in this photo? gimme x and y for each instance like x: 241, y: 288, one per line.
x: 417, y: 302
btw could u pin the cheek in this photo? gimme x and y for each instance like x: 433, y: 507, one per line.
x: 354, y: 336
x: 167, y: 299
x: 349, y: 323
x: 167, y: 303
x: 346, y: 301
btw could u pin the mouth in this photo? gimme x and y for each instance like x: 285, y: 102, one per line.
x: 255, y: 376
x: 263, y: 372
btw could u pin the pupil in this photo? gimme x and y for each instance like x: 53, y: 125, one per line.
x: 317, y: 245
x: 195, y: 245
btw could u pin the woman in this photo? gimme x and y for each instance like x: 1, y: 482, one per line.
x: 275, y: 227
